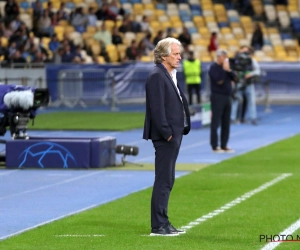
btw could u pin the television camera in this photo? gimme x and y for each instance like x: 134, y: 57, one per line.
x: 18, y: 105
x: 242, y: 64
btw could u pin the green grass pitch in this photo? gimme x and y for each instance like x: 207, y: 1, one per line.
x: 118, y: 121
x: 125, y: 223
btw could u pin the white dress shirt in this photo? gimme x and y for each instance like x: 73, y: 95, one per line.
x: 173, y: 75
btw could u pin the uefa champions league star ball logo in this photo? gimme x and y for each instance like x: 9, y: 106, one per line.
x: 43, y: 153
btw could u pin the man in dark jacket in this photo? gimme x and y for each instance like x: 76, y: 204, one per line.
x: 221, y: 78
x: 167, y: 119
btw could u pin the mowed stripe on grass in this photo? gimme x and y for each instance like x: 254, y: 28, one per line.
x: 124, y: 221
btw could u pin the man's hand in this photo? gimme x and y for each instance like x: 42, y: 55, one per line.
x: 170, y: 138
x: 226, y: 65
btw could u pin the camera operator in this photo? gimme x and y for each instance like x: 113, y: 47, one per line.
x: 244, y: 95
x: 221, y: 77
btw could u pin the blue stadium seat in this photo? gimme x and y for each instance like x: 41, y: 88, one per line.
x: 135, y: 1
x: 124, y: 1
x: 160, y: 6
x: 185, y: 18
x: 70, y: 5
x: 296, y: 24
x: 196, y: 13
x: 24, y: 5
x: 233, y: 19
x: 229, y: 6
x: 286, y: 36
x: 267, y: 42
x: 195, y: 7
x: 183, y: 13
x: 193, y: 30
x: 223, y: 24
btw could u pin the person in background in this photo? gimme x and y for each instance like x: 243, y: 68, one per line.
x: 147, y: 40
x: 170, y: 32
x: 104, y: 13
x: 144, y: 24
x: 221, y: 78
x: 57, y: 57
x: 66, y: 40
x: 128, y: 25
x: 37, y: 13
x: 77, y: 55
x: 158, y: 37
x: 50, y: 9
x: 142, y: 49
x: 61, y: 13
x: 18, y: 59
x: 249, y: 91
x: 79, y: 20
x: 7, y: 30
x: 54, y: 43
x: 192, y: 73
x: 213, y: 44
x: 67, y: 56
x: 116, y: 38
x: 91, y: 17
x: 45, y: 25
x: 132, y: 51
x: 117, y: 8
x: 39, y: 59
x: 167, y: 120
x: 185, y: 52
x: 114, y: 7
x: 16, y: 23
x: 12, y: 49
x: 185, y: 37
x: 257, y: 40
x: 103, y: 35
x: 54, y: 19
x: 11, y: 10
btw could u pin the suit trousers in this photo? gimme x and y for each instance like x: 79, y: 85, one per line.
x: 194, y: 87
x: 221, y: 110
x: 166, y: 153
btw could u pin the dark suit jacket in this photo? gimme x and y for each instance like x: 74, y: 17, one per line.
x: 164, y: 109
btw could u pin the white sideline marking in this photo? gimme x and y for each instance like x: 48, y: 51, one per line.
x: 79, y: 235
x: 288, y: 231
x: 47, y: 222
x: 236, y: 201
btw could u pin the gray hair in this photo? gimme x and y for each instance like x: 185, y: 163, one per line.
x: 221, y: 52
x: 163, y: 48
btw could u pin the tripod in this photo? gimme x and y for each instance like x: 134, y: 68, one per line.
x: 123, y: 159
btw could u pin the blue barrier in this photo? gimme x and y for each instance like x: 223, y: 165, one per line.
x: 61, y: 152
x: 129, y: 79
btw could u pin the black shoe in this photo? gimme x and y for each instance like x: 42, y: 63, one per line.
x: 173, y: 229
x: 163, y: 231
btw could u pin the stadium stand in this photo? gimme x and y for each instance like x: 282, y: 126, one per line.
x: 134, y: 19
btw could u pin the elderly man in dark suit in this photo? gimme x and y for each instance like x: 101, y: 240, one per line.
x: 167, y: 119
